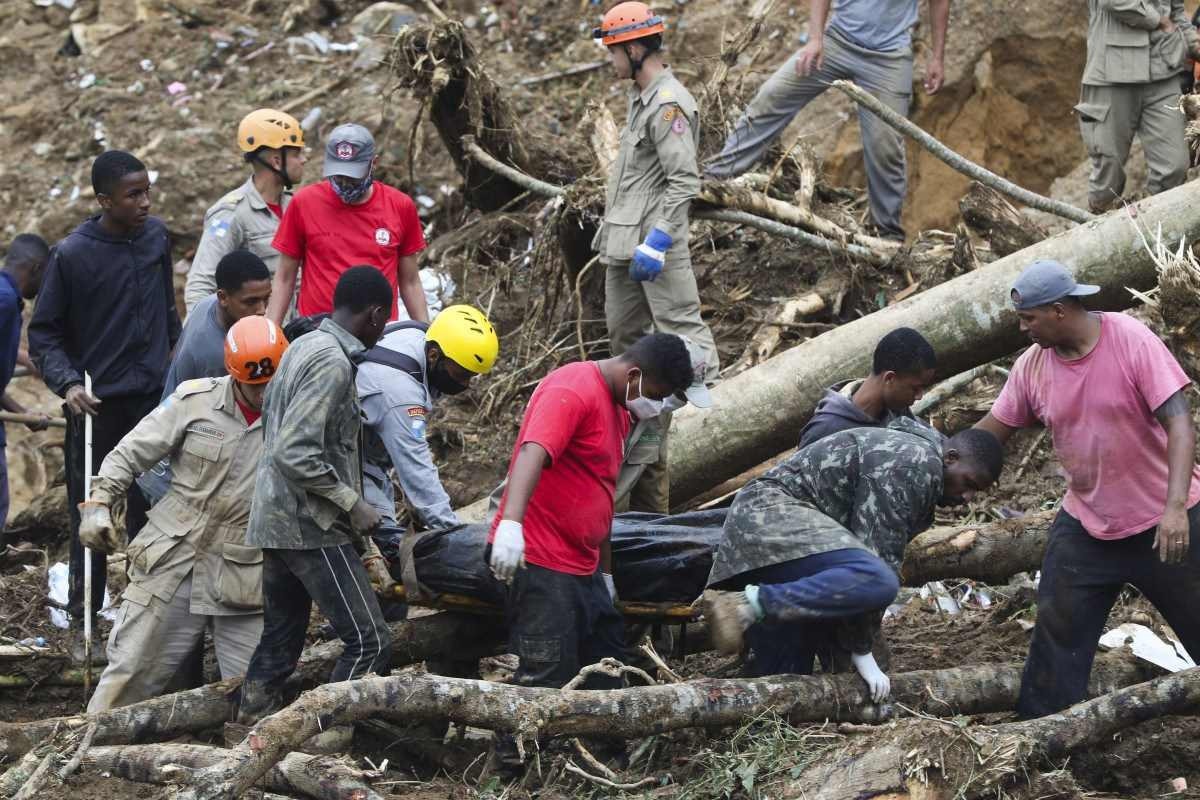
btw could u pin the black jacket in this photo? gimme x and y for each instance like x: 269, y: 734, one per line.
x: 107, y: 305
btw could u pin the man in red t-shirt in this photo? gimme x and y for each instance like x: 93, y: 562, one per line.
x: 1114, y: 401
x: 550, y: 538
x: 348, y: 220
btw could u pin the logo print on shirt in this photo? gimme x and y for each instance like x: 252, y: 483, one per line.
x: 382, y: 237
x: 345, y: 151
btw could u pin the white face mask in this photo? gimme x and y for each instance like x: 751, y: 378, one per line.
x: 642, y: 407
x: 673, y: 403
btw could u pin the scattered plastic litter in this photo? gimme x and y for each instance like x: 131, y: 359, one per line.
x: 57, y: 577
x: 87, y: 81
x: 439, y: 291
x: 1147, y: 646
x: 175, y: 87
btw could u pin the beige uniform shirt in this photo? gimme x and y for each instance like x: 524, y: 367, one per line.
x: 1125, y: 45
x: 200, y: 524
x: 655, y: 175
x: 240, y: 220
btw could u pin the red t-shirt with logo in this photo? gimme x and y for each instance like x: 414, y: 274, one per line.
x: 329, y: 237
x: 573, y: 417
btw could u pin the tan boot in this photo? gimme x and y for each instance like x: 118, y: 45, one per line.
x: 729, y: 614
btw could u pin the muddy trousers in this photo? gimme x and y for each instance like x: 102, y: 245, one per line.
x: 886, y: 76
x: 148, y: 644
x: 118, y: 416
x: 668, y: 304
x: 559, y: 623
x: 1081, y: 579
x: 1109, y: 116
x: 336, y: 580
x: 815, y: 604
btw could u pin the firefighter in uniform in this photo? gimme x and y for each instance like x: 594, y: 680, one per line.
x: 190, y: 567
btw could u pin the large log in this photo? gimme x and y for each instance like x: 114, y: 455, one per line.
x: 992, y: 551
x: 938, y: 761
x: 969, y: 320
x: 209, y: 706
x: 625, y: 713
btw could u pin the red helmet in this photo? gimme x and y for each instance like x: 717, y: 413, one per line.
x: 625, y: 22
x: 253, y: 348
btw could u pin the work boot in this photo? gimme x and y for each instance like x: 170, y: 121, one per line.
x: 257, y: 700
x: 729, y: 614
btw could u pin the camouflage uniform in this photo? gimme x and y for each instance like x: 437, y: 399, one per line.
x: 241, y: 220
x: 190, y: 566
x: 869, y: 489
x: 309, y: 478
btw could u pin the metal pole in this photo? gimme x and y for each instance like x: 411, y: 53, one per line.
x: 87, y: 551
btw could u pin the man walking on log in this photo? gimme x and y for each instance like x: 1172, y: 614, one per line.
x: 865, y: 41
x: 550, y: 539
x: 812, y: 550
x: 106, y: 307
x: 308, y: 514
x: 272, y: 143
x: 1135, y: 50
x: 902, y: 368
x: 1115, y: 402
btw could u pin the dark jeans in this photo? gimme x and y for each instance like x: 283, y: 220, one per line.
x: 3, y: 488
x: 117, y: 417
x: 814, y: 606
x: 336, y: 580
x: 1081, y: 579
x: 558, y: 623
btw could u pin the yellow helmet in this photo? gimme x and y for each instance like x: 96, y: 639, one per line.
x: 267, y: 127
x: 466, y: 337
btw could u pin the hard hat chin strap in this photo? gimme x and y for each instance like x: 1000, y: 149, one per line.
x: 634, y: 63
x: 281, y: 173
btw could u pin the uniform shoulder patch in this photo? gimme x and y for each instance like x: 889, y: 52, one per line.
x: 669, y: 113
x: 195, y: 386
x: 232, y: 199
x: 666, y: 94
x: 679, y: 126
x: 416, y: 422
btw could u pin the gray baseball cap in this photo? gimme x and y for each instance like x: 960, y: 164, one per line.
x: 1044, y: 282
x: 697, y: 394
x: 349, y: 151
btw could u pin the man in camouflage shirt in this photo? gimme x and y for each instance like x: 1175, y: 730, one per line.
x: 308, y: 505
x: 819, y: 540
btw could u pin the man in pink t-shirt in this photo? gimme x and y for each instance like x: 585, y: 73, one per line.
x: 1113, y: 399
x: 550, y: 537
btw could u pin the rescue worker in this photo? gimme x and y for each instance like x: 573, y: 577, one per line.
x: 308, y: 513
x: 190, y: 567
x: 865, y: 41
x: 398, y: 381
x: 903, y: 367
x: 1135, y: 50
x: 810, y: 552
x: 550, y: 539
x: 1115, y: 402
x: 272, y: 143
x: 643, y: 237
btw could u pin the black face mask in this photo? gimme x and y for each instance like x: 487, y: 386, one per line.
x: 440, y: 379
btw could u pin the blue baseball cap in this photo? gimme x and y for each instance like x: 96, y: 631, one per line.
x: 1044, y: 282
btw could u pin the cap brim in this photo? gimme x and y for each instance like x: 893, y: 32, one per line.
x: 1084, y: 289
x: 349, y: 169
x: 699, y: 396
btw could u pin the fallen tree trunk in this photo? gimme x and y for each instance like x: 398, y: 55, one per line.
x: 209, y: 706
x: 624, y: 713
x: 764, y: 343
x: 992, y: 552
x: 969, y: 320
x: 322, y: 777
x: 1006, y: 229
x: 938, y: 761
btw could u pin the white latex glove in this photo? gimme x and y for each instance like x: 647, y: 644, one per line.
x: 878, y: 683
x: 611, y: 585
x: 508, y: 550
x: 96, y: 529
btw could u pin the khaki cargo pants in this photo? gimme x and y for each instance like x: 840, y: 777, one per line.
x: 148, y: 644
x: 1109, y: 116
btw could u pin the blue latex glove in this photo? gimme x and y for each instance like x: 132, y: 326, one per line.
x: 648, y: 258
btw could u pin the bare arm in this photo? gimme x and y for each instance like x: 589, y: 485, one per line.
x: 818, y: 16
x: 812, y: 55
x: 996, y: 428
x: 935, y: 70
x: 523, y: 479
x: 1175, y: 416
x: 283, y: 285
x: 411, y: 292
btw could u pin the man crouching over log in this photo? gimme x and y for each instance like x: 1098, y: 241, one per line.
x: 813, y: 548
x: 190, y: 566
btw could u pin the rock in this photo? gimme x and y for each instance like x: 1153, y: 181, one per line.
x: 383, y: 19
